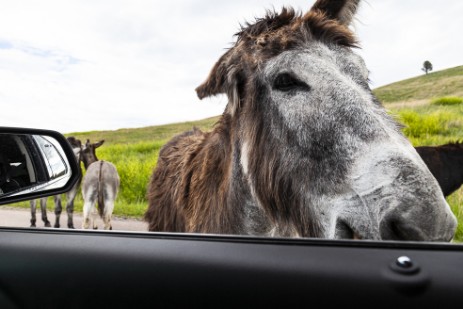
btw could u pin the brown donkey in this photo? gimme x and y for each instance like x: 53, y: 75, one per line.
x: 303, y: 148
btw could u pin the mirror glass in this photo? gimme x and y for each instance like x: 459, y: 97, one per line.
x: 31, y: 163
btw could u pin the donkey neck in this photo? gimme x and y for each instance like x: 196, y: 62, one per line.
x: 452, y: 160
x: 89, y: 160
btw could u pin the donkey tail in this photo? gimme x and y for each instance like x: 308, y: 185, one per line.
x: 100, y: 191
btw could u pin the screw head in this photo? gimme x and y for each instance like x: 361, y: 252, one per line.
x: 404, y: 265
x: 404, y: 262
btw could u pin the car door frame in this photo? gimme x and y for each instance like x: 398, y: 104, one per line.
x: 49, y: 268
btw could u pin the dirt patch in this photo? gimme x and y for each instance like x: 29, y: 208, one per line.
x: 20, y: 217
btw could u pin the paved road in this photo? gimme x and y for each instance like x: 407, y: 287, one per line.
x: 18, y: 217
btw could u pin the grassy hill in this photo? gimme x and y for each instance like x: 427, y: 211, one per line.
x: 425, y: 87
x: 146, y: 134
x: 428, y: 105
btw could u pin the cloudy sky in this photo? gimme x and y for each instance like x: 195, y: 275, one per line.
x: 80, y: 65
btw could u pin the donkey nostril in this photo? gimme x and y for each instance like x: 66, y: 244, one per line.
x: 390, y: 229
x: 344, y: 231
x: 394, y: 229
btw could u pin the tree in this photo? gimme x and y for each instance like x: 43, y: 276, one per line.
x: 427, y: 66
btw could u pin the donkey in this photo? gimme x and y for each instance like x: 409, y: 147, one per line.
x: 70, y: 195
x: 100, y: 185
x: 302, y: 149
x: 446, y: 164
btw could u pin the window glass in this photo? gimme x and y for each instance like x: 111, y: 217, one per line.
x: 303, y: 127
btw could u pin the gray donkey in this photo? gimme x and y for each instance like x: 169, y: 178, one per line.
x: 303, y: 148
x: 70, y: 195
x: 100, y: 184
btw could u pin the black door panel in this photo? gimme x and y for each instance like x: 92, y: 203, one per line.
x: 51, y: 269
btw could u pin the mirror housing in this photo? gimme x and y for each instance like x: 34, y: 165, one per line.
x: 35, y: 163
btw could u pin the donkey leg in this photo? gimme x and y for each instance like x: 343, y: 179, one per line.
x: 94, y: 220
x: 70, y: 211
x: 70, y: 196
x: 107, y: 223
x: 88, y: 213
x: 86, y: 219
x: 33, y: 210
x: 58, y: 209
x: 109, y: 206
x: 43, y: 208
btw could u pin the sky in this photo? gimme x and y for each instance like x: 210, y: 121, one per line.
x: 82, y: 65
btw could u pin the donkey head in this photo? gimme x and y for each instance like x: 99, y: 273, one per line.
x: 319, y: 153
x: 88, y: 152
x: 76, y: 145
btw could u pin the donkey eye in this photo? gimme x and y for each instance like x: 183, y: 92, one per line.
x: 285, y: 82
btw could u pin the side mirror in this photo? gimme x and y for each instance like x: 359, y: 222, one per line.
x: 35, y: 163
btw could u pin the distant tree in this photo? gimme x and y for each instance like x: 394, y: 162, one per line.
x: 427, y: 67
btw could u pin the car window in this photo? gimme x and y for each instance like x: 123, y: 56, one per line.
x: 55, y: 160
x: 326, y: 122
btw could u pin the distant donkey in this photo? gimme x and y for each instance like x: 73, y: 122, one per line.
x: 70, y: 195
x: 100, y: 185
x: 445, y: 163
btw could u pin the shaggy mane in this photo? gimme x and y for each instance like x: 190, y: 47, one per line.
x: 271, y: 22
x: 316, y: 23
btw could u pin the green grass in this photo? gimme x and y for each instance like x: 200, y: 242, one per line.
x: 456, y: 201
x: 431, y: 124
x: 435, y: 124
x: 447, y: 101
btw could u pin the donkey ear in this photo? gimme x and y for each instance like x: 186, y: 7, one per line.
x: 214, y: 84
x: 98, y: 144
x: 74, y: 141
x: 217, y: 80
x: 341, y: 10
